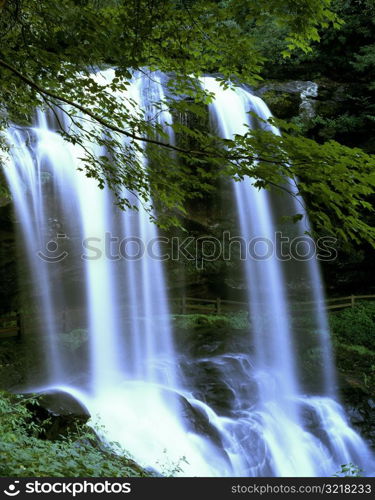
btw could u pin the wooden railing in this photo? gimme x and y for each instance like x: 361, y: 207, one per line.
x: 186, y: 305
x: 349, y: 301
x: 12, y: 324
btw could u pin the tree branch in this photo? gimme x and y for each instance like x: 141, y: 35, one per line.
x: 92, y: 115
x: 201, y: 154
x: 44, y: 92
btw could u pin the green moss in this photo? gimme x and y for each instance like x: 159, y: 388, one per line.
x: 236, y: 321
x: 283, y: 105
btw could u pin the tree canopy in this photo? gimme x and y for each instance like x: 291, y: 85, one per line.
x: 50, y: 51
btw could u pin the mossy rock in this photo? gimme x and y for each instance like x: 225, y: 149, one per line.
x: 356, y: 366
x: 283, y: 105
x: 57, y: 414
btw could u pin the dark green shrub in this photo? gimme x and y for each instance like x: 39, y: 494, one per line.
x: 355, y: 325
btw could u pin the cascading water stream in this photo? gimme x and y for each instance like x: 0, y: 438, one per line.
x: 293, y: 448
x: 259, y: 107
x: 26, y: 186
x: 126, y: 369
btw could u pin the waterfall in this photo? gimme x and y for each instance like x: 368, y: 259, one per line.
x: 125, y: 369
x: 303, y: 435
x: 104, y: 320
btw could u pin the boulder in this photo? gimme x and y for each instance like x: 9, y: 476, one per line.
x: 290, y: 98
x: 57, y: 413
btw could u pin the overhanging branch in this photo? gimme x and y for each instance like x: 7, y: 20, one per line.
x: 47, y: 93
x: 89, y: 113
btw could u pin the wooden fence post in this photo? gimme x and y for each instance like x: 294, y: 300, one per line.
x: 183, y: 305
x: 352, y: 297
x: 218, y: 305
x: 19, y: 324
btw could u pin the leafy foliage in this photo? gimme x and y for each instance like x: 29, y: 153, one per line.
x: 342, y: 63
x: 50, y: 52
x: 355, y: 325
x: 25, y: 454
x: 345, y: 107
x: 336, y: 192
x: 349, y: 470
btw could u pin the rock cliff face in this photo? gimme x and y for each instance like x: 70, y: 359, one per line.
x: 8, y: 255
x: 360, y: 409
x: 291, y: 98
x: 327, y: 109
x: 307, y: 100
